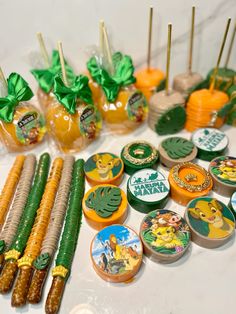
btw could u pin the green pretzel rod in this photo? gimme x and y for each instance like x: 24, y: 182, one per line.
x: 68, y: 241
x: 27, y: 219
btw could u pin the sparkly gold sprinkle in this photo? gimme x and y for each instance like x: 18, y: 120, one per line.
x: 190, y: 177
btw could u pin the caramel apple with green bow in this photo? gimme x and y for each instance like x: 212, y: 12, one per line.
x: 22, y: 125
x: 72, y: 119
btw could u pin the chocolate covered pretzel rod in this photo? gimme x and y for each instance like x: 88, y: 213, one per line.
x: 50, y: 242
x: 36, y: 237
x: 16, y: 210
x: 9, y: 187
x: 26, y: 222
x: 68, y: 241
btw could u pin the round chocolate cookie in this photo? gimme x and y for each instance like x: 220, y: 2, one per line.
x: 175, y: 150
x: 147, y: 189
x: 211, y: 222
x: 165, y: 236
x: 210, y: 143
x: 139, y: 155
x: 223, y: 172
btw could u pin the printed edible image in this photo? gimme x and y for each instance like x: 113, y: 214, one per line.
x: 165, y: 232
x: 116, y: 250
x: 210, y: 218
x: 224, y: 168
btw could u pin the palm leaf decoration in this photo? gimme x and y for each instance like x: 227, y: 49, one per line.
x: 177, y: 147
x: 104, y: 200
x: 42, y: 261
x: 172, y: 121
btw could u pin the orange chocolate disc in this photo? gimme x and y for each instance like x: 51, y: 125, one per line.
x: 104, y: 205
x: 116, y: 252
x: 188, y: 181
x: 148, y: 80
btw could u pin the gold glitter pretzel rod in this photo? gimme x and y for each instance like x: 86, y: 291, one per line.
x: 10, y: 187
x: 37, y: 234
x: 50, y: 242
x: 16, y: 210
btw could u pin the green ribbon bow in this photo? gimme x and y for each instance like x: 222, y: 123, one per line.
x: 68, y: 96
x: 111, y: 84
x: 45, y: 77
x: 18, y: 90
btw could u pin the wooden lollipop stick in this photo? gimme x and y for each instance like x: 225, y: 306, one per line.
x: 62, y: 61
x: 43, y: 49
x: 191, y: 41
x: 108, y: 49
x: 2, y: 78
x: 230, y: 46
x: 168, y: 58
x: 101, y: 36
x: 212, y: 85
x: 149, y: 38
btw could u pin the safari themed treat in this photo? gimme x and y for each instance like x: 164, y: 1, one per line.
x: 185, y: 81
x: 232, y: 204
x: 149, y: 78
x: 210, y: 143
x: 147, y: 190
x: 22, y: 125
x: 116, y: 253
x: 166, y: 108
x: 122, y: 106
x: 165, y: 236
x: 210, y: 221
x: 104, y: 168
x: 105, y: 205
x: 188, y: 181
x: 72, y: 119
x: 139, y: 155
x: 175, y: 150
x: 45, y: 76
x: 223, y: 172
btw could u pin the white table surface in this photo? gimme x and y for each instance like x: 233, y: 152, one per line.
x: 203, y: 281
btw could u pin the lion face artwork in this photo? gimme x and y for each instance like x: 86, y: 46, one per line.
x: 165, y: 236
x: 165, y: 232
x: 103, y: 166
x: 210, y: 211
x: 224, y: 168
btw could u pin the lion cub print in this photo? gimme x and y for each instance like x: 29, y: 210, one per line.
x: 211, y: 213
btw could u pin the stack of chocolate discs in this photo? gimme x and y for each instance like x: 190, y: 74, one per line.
x: 104, y: 168
x: 175, y: 150
x: 147, y: 190
x: 166, y: 112
x: 188, y: 181
x: 223, y: 172
x: 116, y: 252
x: 165, y: 236
x: 211, y: 222
x: 210, y: 143
x: 139, y: 155
x: 232, y: 204
x: 185, y: 81
x: 104, y: 205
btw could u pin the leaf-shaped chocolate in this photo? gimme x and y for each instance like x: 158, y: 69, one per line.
x: 177, y: 147
x: 42, y: 261
x: 2, y: 246
x: 104, y: 200
x: 172, y: 121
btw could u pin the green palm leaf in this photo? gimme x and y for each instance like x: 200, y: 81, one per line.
x: 177, y: 147
x: 105, y: 200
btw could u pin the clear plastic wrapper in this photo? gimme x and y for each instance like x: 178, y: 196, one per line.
x: 26, y: 130
x: 73, y: 132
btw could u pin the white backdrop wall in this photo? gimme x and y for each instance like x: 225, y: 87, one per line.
x: 75, y: 22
